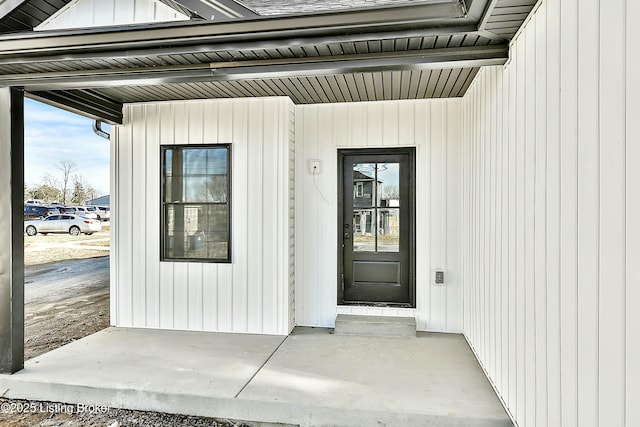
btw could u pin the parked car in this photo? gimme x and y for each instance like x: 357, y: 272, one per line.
x: 72, y: 224
x: 39, y: 211
x: 83, y: 211
x: 67, y: 210
x: 103, y: 212
x: 92, y: 209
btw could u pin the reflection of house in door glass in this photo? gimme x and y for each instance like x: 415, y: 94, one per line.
x: 376, y: 203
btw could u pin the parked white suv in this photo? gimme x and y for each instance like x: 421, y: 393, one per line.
x: 103, y: 212
x: 85, y: 212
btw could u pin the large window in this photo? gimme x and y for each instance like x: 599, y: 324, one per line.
x: 195, y: 203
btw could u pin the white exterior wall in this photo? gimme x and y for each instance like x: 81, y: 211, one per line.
x: 253, y: 293
x: 100, y: 13
x: 434, y: 128
x: 551, y: 218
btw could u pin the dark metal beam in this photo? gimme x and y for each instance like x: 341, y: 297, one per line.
x: 235, y: 45
x: 308, y: 70
x: 475, y: 56
x: 11, y: 232
x: 287, y: 29
x: 87, y: 103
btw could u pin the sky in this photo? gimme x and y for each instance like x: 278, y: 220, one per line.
x: 53, y: 135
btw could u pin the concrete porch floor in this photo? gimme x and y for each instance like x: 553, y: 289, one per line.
x: 311, y: 378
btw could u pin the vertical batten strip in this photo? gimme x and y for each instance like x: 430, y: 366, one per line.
x: 540, y: 221
x: 569, y: 212
x: 152, y: 217
x: 436, y: 216
x: 138, y: 243
x: 588, y: 212
x: 520, y: 231
x: 256, y: 234
x: 180, y: 134
x: 114, y: 260
x: 224, y: 135
x: 494, y: 244
x: 166, y: 309
x: 241, y: 189
x: 300, y: 267
x: 503, y: 129
x: 512, y: 235
x: 632, y: 243
x: 453, y: 190
x: 611, y: 295
x: 530, y: 143
x: 553, y: 230
x: 125, y: 294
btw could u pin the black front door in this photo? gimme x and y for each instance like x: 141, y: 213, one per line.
x: 377, y: 227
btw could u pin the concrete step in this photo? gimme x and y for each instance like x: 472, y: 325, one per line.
x: 375, y: 326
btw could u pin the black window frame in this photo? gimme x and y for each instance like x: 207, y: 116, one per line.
x: 163, y: 203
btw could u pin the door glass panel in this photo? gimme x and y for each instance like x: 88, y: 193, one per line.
x: 376, y: 202
x: 364, y: 230
x: 364, y: 187
x: 389, y: 230
x: 388, y: 178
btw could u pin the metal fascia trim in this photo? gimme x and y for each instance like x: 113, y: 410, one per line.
x: 217, y: 45
x: 291, y: 71
x: 238, y: 70
x: 409, y: 56
x: 430, y: 15
x: 107, y: 78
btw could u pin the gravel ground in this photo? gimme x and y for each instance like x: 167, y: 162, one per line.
x: 66, y: 299
x: 59, y: 415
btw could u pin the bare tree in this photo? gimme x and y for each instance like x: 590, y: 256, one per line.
x: 50, y: 180
x: 79, y: 193
x: 66, y: 167
x: 92, y: 193
x: 390, y: 192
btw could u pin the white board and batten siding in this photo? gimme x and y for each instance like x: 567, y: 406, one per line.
x: 101, y: 13
x: 252, y: 294
x: 551, y: 214
x: 434, y: 128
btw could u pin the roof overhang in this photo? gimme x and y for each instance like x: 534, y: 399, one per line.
x: 424, y: 49
x: 260, y: 32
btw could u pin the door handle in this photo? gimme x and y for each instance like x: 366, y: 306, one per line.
x: 347, y: 235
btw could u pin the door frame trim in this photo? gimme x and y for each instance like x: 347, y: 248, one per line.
x: 411, y: 152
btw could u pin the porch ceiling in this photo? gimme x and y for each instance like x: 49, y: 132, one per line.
x: 418, y: 50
